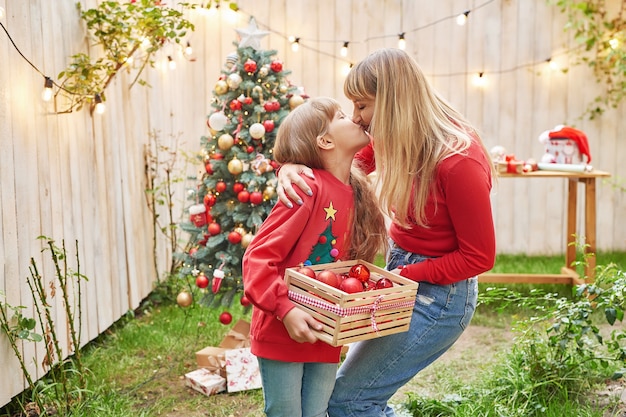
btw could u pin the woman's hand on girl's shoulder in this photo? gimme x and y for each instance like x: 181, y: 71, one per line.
x: 288, y: 175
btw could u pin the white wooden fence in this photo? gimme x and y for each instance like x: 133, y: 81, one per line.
x: 74, y: 177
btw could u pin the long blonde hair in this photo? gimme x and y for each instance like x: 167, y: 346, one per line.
x: 413, y: 128
x: 296, y: 143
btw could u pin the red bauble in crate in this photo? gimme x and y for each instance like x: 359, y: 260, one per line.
x: 351, y: 285
x: 305, y: 270
x: 329, y: 278
x: 384, y: 283
x: 360, y: 272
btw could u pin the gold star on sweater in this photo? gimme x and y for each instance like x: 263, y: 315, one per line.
x: 330, y: 211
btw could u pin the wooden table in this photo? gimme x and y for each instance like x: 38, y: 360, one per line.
x: 568, y: 275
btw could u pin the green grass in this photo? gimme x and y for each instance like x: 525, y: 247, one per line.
x: 136, y: 367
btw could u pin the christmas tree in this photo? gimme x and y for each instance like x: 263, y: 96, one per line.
x: 236, y: 192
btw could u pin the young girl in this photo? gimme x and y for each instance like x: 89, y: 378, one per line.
x: 341, y: 222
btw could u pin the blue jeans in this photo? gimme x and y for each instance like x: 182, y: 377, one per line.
x: 375, y: 369
x: 292, y: 389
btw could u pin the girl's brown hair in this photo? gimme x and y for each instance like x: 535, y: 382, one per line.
x: 296, y: 143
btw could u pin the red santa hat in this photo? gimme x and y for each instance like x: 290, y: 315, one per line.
x: 578, y: 136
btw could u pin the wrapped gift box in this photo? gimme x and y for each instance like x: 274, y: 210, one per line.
x: 214, y: 358
x: 242, y: 370
x: 205, y: 381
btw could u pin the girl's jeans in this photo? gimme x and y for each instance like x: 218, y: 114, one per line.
x: 374, y: 369
x: 292, y: 389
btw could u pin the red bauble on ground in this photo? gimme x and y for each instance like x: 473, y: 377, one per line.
x: 360, y: 272
x: 329, y: 278
x: 226, y: 318
x: 202, y: 281
x: 351, y: 285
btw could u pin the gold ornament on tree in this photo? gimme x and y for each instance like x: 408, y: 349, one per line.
x: 235, y: 166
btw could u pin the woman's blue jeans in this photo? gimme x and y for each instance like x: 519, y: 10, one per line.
x: 375, y: 369
x: 292, y: 389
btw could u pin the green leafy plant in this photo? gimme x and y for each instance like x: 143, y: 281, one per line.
x: 128, y: 35
x: 19, y: 328
x: 600, y: 32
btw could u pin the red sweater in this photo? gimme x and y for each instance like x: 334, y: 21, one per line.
x: 460, y: 235
x: 316, y: 231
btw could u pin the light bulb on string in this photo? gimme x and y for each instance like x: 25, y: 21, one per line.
x: 2, y: 12
x: 462, y: 18
x: 480, y: 79
x: 401, y: 41
x: 171, y: 63
x: 46, y: 94
x: 99, y: 107
x: 346, y: 69
x: 295, y: 45
x: 188, y: 49
x: 552, y: 64
x: 344, y: 49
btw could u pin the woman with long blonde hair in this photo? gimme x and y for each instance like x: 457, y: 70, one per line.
x: 435, y: 177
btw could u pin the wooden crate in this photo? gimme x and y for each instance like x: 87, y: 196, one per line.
x: 352, y: 317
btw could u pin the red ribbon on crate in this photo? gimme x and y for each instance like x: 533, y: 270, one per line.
x: 350, y: 311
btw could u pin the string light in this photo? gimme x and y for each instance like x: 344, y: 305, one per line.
x: 99, y: 107
x: 188, y: 49
x: 346, y: 69
x: 480, y: 79
x: 462, y: 18
x: 46, y: 94
x: 552, y: 64
x: 171, y: 63
x: 401, y: 41
x: 614, y: 43
x: 344, y: 49
x: 295, y: 45
x: 2, y: 12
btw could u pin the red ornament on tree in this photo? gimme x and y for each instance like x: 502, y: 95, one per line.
x: 268, y: 125
x: 214, y: 229
x: 256, y: 197
x: 218, y: 276
x: 209, y: 200
x: 234, y: 237
x: 276, y: 66
x: 197, y: 215
x: 209, y: 168
x: 220, y: 187
x: 235, y: 105
x: 238, y: 187
x: 249, y: 66
x: 243, y: 196
x: 202, y: 281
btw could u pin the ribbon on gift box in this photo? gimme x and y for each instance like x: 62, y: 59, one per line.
x: 214, y: 362
x: 241, y: 340
x: 350, y: 311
